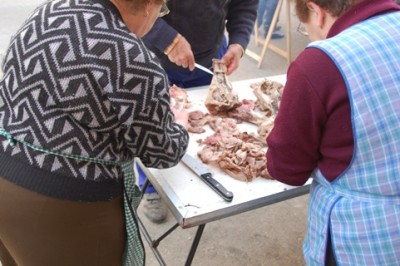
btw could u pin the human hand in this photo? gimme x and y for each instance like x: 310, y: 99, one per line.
x: 181, y: 116
x: 182, y: 54
x: 232, y: 57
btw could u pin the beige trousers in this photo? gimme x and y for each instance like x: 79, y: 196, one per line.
x: 36, y: 230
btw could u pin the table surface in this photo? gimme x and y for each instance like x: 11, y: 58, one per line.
x: 193, y: 202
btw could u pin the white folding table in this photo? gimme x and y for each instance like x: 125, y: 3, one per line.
x: 192, y: 202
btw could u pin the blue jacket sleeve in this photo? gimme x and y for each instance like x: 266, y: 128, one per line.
x: 240, y: 21
x: 160, y: 36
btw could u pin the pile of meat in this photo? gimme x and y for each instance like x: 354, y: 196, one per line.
x: 238, y: 153
x: 223, y: 101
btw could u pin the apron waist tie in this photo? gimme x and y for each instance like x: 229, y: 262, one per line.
x: 353, y: 194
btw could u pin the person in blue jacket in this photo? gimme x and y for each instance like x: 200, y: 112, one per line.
x: 197, y: 31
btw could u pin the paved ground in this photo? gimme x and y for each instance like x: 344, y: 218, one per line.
x: 271, y: 235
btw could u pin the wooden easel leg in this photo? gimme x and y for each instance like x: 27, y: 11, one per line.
x: 266, y: 43
x: 270, y: 31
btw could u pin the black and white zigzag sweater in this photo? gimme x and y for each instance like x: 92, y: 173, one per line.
x: 76, y: 80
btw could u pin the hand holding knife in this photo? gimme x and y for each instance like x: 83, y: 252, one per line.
x: 205, y: 174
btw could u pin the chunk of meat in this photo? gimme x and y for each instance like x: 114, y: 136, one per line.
x: 266, y: 126
x: 197, y: 121
x: 246, y: 112
x: 269, y: 94
x: 179, y: 97
x: 221, y: 96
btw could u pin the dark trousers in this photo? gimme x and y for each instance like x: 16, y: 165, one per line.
x: 36, y: 230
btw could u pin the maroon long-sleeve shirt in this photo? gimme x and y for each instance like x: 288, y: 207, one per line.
x: 313, y: 126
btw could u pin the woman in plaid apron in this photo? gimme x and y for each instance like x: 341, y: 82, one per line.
x: 339, y: 122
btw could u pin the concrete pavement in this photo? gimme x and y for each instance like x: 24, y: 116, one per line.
x: 271, y: 235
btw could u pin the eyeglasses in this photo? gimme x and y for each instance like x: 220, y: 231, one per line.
x: 164, y: 10
x: 301, y: 29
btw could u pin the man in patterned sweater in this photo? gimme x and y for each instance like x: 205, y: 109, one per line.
x: 80, y: 98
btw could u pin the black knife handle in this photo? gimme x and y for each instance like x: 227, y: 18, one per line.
x: 217, y: 187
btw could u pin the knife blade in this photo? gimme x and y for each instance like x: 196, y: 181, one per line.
x: 203, y: 68
x: 205, y: 174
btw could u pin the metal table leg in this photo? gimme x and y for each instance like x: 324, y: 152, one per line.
x: 195, y: 244
x: 154, y: 243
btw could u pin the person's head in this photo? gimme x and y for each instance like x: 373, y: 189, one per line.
x: 319, y: 15
x: 140, y: 15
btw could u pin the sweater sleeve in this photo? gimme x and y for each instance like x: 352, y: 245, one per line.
x: 293, y: 143
x: 141, y: 103
x: 160, y: 36
x: 240, y: 21
x: 313, y: 125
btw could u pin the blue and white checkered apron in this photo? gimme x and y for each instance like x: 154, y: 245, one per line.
x: 361, y: 208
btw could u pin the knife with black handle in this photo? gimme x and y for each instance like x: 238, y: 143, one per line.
x: 205, y: 174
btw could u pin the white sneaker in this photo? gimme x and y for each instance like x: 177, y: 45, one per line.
x: 154, y: 208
